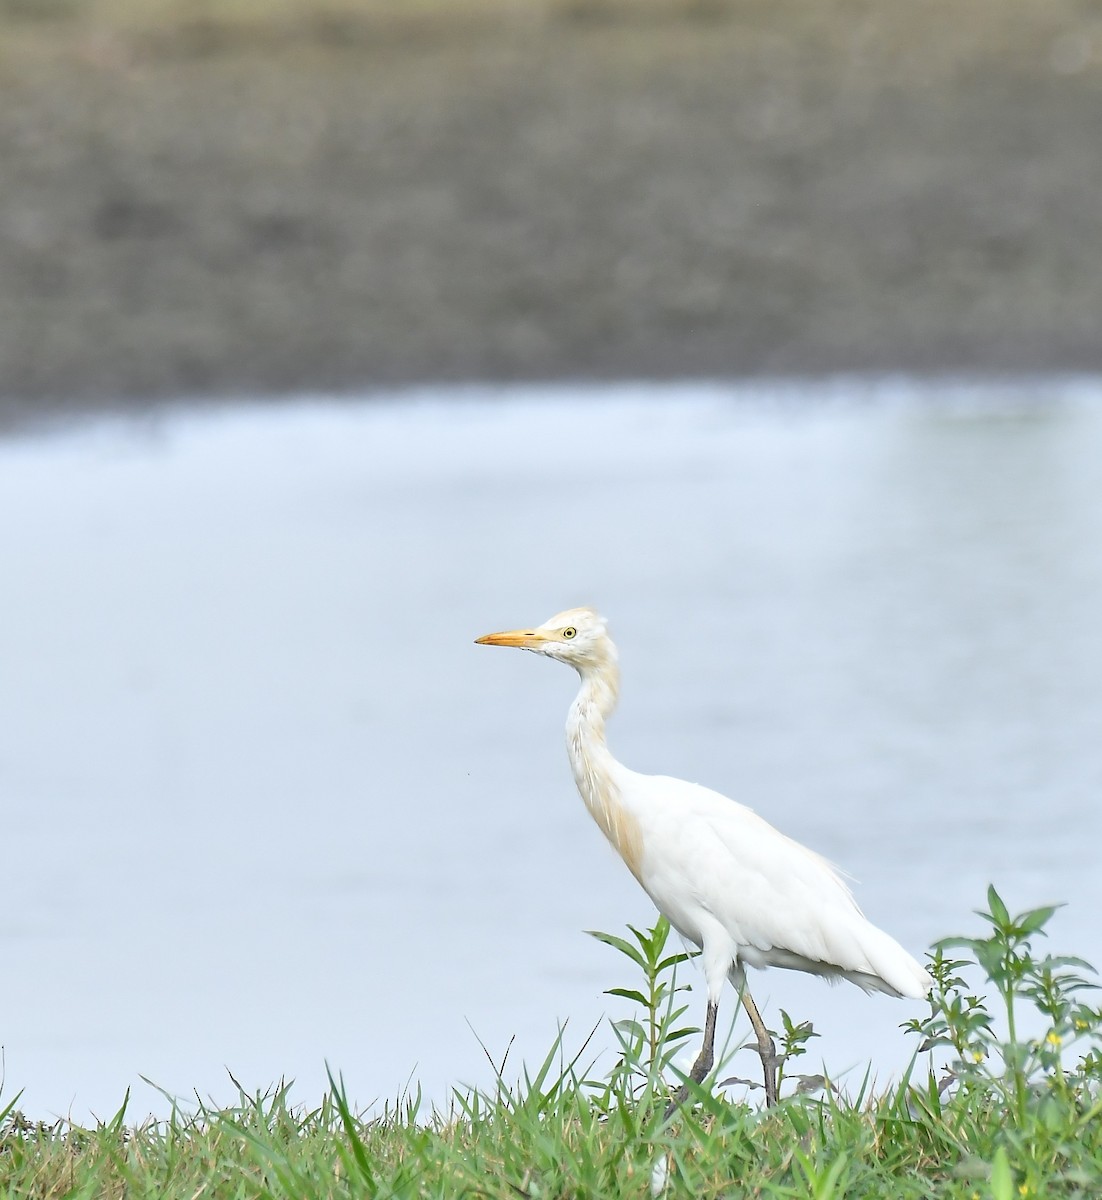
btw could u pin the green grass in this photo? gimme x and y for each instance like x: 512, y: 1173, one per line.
x: 983, y: 1115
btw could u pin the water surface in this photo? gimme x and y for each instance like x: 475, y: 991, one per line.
x: 266, y: 804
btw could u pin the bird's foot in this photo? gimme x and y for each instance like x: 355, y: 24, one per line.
x: 679, y: 1098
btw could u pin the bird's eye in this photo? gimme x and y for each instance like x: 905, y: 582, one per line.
x: 569, y: 632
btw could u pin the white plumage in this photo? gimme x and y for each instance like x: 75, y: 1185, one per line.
x: 708, y: 860
x: 726, y: 879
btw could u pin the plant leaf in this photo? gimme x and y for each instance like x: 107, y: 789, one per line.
x: 998, y: 908
x: 1002, y: 1178
x: 627, y: 994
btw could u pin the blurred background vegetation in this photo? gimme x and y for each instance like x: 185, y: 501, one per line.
x: 206, y: 197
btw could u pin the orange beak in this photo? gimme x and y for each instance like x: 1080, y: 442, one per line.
x: 526, y: 639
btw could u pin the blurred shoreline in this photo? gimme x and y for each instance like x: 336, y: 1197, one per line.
x: 205, y: 199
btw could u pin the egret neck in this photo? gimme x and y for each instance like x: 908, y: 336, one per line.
x: 595, y: 770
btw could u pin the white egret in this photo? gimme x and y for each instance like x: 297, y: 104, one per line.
x: 727, y: 881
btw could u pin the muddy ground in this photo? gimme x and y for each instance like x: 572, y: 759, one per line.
x: 206, y: 198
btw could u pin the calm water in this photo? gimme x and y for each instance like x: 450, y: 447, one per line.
x: 266, y: 805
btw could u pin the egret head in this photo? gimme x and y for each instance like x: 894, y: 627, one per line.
x: 578, y: 636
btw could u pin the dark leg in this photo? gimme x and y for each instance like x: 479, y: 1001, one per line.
x: 703, y: 1062
x: 766, y: 1047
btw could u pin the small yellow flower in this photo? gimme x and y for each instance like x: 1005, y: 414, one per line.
x: 1023, y: 1189
x: 1053, y: 1039
x: 977, y: 1056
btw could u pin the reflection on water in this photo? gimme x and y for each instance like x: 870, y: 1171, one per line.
x: 266, y: 805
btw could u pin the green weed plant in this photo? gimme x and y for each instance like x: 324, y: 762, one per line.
x: 983, y: 1113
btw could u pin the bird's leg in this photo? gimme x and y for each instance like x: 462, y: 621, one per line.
x: 767, y: 1048
x: 703, y: 1062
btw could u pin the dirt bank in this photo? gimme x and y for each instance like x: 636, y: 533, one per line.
x: 207, y: 198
